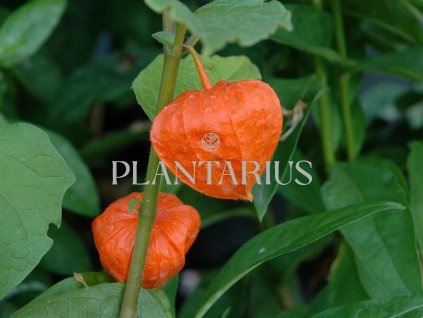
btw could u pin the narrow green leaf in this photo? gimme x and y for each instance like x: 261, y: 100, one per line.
x: 406, y: 63
x: 397, y: 16
x: 147, y: 84
x: 289, y: 92
x: 27, y: 28
x: 34, y: 179
x: 82, y: 197
x: 384, y: 245
x: 415, y: 172
x: 98, y: 301
x: 386, y: 308
x: 282, y: 239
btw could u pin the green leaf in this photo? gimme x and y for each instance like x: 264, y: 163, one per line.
x: 93, y: 278
x: 68, y: 253
x: 216, y: 24
x: 397, y: 16
x: 171, y: 288
x: 415, y: 172
x: 315, y: 40
x: 386, y: 308
x: 34, y: 179
x: 334, y: 293
x: 245, y: 22
x: 178, y: 11
x: 104, y: 80
x: 165, y: 38
x: 82, y: 196
x: 289, y: 92
x: 147, y: 84
x: 306, y: 197
x: 27, y: 28
x: 384, y: 245
x: 282, y: 239
x: 406, y: 63
x: 98, y: 301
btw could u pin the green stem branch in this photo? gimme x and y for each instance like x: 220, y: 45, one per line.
x: 344, y: 81
x: 148, y: 209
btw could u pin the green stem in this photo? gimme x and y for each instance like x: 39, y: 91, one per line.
x: 324, y: 105
x: 325, y: 117
x: 344, y: 81
x: 148, y: 209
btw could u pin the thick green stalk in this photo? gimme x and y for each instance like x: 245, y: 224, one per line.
x: 325, y: 117
x: 148, y: 209
x: 344, y: 81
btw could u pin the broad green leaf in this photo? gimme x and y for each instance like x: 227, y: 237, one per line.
x: 147, y: 84
x: 34, y: 179
x: 33, y: 285
x: 282, y: 239
x: 98, y: 301
x: 315, y: 40
x: 68, y: 253
x: 386, y: 308
x: 415, y: 172
x: 406, y: 63
x: 343, y: 271
x: 395, y: 15
x: 82, y: 196
x: 245, y: 22
x: 216, y: 24
x: 27, y: 28
x: 384, y: 245
x: 178, y: 11
x: 290, y: 92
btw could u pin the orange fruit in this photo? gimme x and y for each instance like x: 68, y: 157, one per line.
x: 174, y: 230
x: 224, y: 125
